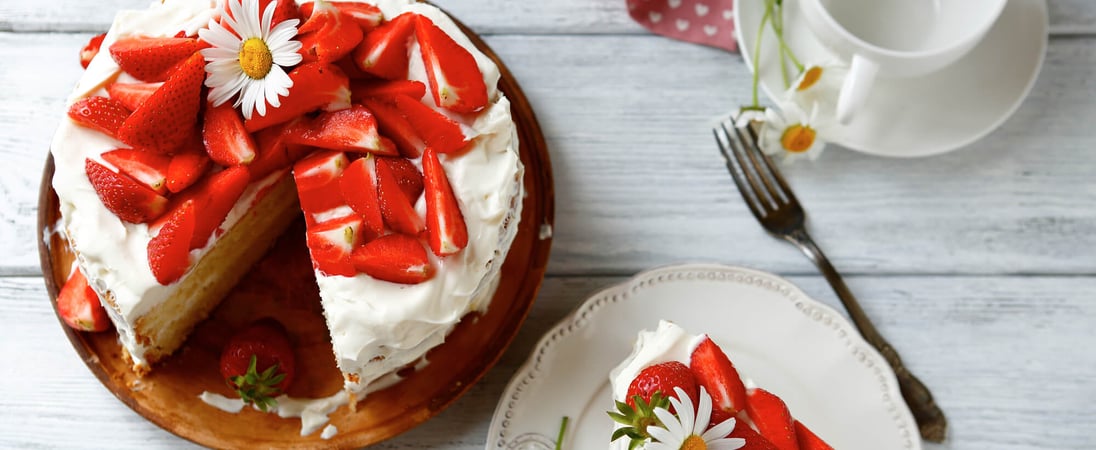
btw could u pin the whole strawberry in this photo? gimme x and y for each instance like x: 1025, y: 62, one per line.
x: 663, y: 377
x: 258, y: 363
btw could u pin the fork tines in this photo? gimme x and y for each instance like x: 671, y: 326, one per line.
x: 761, y: 185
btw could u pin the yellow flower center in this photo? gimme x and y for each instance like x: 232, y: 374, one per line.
x: 797, y: 138
x: 255, y: 58
x: 810, y: 78
x: 694, y: 442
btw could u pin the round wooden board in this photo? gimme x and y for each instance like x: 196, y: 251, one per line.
x: 282, y: 285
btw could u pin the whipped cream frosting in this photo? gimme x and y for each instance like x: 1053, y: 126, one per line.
x: 377, y: 327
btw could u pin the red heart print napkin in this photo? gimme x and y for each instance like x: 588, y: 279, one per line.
x: 707, y: 22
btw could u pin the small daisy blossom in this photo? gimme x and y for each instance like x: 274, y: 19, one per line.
x: 689, y: 429
x: 818, y: 84
x: 248, y: 58
x: 791, y: 133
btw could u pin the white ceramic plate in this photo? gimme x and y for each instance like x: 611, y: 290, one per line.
x: 928, y: 115
x: 794, y: 346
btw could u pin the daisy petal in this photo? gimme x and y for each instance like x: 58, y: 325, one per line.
x: 662, y: 435
x: 703, y: 413
x: 727, y: 444
x: 670, y: 422
x: 720, y: 431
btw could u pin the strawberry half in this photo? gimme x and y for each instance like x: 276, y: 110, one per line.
x: 165, y: 120
x: 663, y: 378
x: 188, y: 164
x: 409, y: 177
x: 351, y: 130
x: 224, y: 136
x: 331, y: 243
x: 772, y: 418
x: 394, y: 257
x: 384, y: 52
x: 273, y: 153
x: 169, y: 250
x: 151, y: 59
x: 149, y: 169
x: 123, y: 196
x: 315, y: 85
x: 392, y: 123
x: 398, y: 212
x: 91, y: 49
x: 132, y: 95
x: 328, y: 34
x: 317, y: 178
x: 79, y: 306
x: 361, y: 90
x: 213, y: 198
x: 714, y: 370
x: 99, y: 113
x: 358, y: 184
x: 808, y: 440
x: 445, y: 228
x: 367, y: 16
x: 436, y: 129
x: 455, y: 79
x: 258, y: 363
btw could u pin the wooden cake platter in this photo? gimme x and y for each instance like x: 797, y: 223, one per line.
x: 282, y: 286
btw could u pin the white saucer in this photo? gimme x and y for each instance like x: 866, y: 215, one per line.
x: 928, y: 115
x: 784, y: 341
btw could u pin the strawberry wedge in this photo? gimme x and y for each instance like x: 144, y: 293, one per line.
x: 150, y: 169
x: 445, y: 228
x: 169, y: 250
x: 165, y: 120
x: 772, y: 418
x: 317, y: 178
x: 91, y: 49
x: 151, y: 59
x: 367, y: 16
x: 315, y: 86
x: 79, y: 306
x: 331, y: 244
x: 358, y: 184
x: 386, y: 90
x: 808, y: 440
x: 349, y: 130
x: 715, y: 372
x: 129, y: 200
x: 455, y: 80
x: 132, y: 95
x: 226, y: 141
x: 437, y: 130
x: 188, y: 164
x: 328, y: 34
x: 398, y: 212
x: 383, y: 52
x: 99, y: 113
x: 396, y: 258
x: 392, y: 124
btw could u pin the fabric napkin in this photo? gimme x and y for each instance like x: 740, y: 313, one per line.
x: 707, y: 22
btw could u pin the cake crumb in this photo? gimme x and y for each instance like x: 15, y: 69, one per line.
x: 329, y: 432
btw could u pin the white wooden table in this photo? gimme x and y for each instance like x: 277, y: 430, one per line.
x: 978, y: 265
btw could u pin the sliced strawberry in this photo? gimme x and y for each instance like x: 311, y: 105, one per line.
x: 99, y: 113
x: 384, y: 52
x: 398, y: 212
x: 394, y: 257
x: 331, y: 243
x: 328, y: 34
x: 772, y: 418
x: 714, y: 371
x: 455, y: 80
x: 91, y: 49
x: 225, y: 138
x: 188, y: 164
x: 351, y: 130
x: 753, y: 440
x: 663, y: 378
x: 808, y: 440
x: 410, y: 179
x: 359, y: 187
x: 315, y: 86
x: 79, y: 306
x: 169, y: 250
x: 392, y: 123
x: 445, y: 228
x: 163, y: 123
x: 362, y: 90
x: 123, y: 196
x: 151, y: 59
x: 285, y: 10
x: 367, y: 16
x: 149, y: 169
x: 317, y: 178
x: 273, y: 153
x: 212, y: 197
x: 437, y: 130
x: 132, y: 95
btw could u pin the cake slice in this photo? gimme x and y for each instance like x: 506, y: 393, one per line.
x: 168, y: 197
x: 675, y: 389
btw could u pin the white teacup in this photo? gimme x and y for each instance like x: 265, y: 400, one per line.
x: 895, y: 38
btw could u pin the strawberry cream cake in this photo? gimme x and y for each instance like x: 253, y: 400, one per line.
x: 679, y: 391
x: 203, y: 128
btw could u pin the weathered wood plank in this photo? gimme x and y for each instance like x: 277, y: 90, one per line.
x: 1005, y: 357
x: 485, y: 16
x: 640, y: 184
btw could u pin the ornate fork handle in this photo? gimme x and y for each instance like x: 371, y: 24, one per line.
x: 925, y: 411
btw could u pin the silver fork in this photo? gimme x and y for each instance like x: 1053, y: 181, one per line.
x: 775, y: 206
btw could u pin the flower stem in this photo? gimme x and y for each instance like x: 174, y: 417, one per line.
x: 562, y: 429
x: 778, y: 28
x: 757, y: 51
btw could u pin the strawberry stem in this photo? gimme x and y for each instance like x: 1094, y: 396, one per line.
x: 256, y: 388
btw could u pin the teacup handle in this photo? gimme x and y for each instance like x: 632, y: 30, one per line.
x: 854, y: 91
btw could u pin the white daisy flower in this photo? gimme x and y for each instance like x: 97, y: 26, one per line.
x: 790, y: 133
x: 248, y: 58
x: 689, y: 429
x: 818, y: 84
